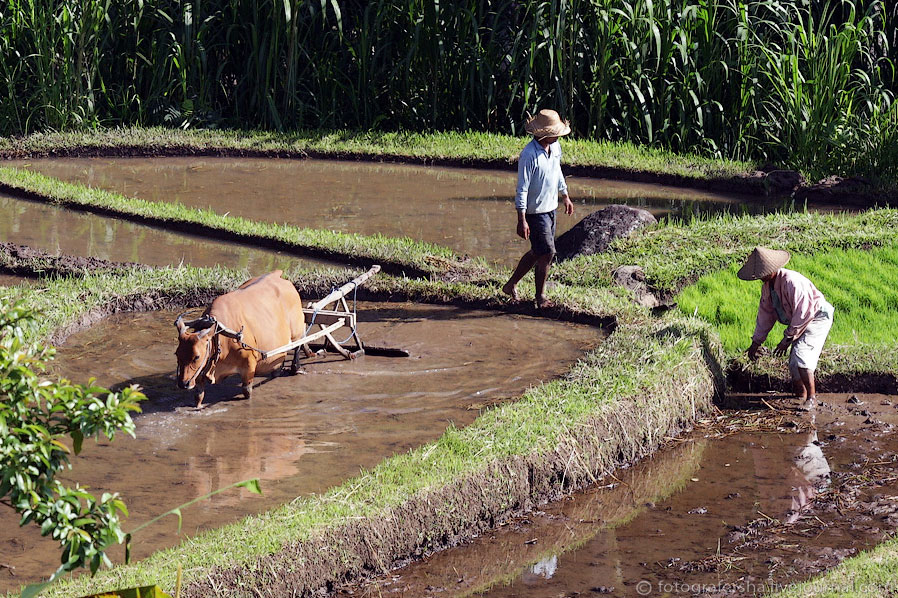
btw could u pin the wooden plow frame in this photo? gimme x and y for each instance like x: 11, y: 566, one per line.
x: 329, y: 315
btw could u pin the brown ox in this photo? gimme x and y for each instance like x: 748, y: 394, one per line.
x: 264, y: 313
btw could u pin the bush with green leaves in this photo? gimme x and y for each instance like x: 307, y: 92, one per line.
x: 37, y: 416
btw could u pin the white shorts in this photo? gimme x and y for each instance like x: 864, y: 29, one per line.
x: 807, y: 347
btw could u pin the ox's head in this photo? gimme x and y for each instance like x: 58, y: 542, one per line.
x: 194, y: 349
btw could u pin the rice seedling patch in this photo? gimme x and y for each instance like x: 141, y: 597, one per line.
x: 861, y: 285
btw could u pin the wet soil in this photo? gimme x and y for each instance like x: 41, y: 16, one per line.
x: 468, y: 210
x: 12, y: 280
x: 57, y: 231
x: 299, y: 434
x: 750, y: 501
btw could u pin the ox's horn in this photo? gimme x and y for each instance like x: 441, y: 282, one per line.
x: 206, y: 321
x: 179, y: 324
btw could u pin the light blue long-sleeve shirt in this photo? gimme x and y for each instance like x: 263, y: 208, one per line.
x: 539, y: 178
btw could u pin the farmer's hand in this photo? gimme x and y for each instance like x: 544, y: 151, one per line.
x: 753, y: 351
x: 568, y: 205
x: 782, y: 347
x: 523, y: 229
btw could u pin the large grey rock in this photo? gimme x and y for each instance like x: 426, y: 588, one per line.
x: 594, y: 233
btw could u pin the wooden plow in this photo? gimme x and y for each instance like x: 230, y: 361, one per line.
x: 329, y: 315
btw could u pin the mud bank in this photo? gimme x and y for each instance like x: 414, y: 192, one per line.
x: 744, y: 380
x: 25, y: 261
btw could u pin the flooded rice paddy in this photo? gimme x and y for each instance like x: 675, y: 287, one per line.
x: 468, y: 210
x: 748, y: 502
x: 60, y: 231
x: 299, y: 434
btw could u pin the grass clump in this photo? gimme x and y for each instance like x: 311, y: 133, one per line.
x: 872, y: 573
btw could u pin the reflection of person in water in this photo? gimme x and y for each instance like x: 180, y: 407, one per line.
x: 788, y: 476
x: 810, y: 470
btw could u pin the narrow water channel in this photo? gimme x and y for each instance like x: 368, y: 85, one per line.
x: 468, y: 210
x: 60, y: 231
x: 299, y: 435
x: 732, y: 509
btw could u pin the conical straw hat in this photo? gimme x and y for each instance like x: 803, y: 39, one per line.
x: 762, y: 262
x: 547, y: 123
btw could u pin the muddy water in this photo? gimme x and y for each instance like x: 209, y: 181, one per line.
x: 11, y: 280
x: 300, y: 434
x: 465, y: 209
x: 60, y: 231
x: 723, y: 512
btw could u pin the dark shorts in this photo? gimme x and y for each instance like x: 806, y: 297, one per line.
x: 542, y: 232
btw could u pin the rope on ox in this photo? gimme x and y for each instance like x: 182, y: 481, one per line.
x: 208, y: 320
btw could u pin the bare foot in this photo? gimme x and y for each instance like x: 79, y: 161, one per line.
x: 808, y: 404
x: 544, y: 304
x: 510, y: 290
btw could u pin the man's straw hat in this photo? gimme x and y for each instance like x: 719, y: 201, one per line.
x: 547, y: 123
x: 762, y: 262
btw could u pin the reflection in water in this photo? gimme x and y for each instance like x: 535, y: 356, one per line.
x: 60, y: 231
x: 299, y: 434
x: 810, y: 471
x: 651, y: 525
x: 470, y: 211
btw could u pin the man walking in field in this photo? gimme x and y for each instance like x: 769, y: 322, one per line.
x: 536, y: 200
x: 793, y: 300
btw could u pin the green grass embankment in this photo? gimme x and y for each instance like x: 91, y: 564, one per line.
x: 872, y: 573
x: 473, y: 148
x: 620, y: 402
x: 850, y: 256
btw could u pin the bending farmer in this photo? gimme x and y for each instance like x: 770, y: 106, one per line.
x: 793, y: 300
x: 539, y: 183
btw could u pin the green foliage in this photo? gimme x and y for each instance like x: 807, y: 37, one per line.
x: 808, y: 84
x: 861, y: 285
x: 36, y: 415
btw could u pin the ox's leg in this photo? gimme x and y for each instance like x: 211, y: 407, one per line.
x: 295, y: 367
x: 248, y: 374
x: 200, y: 394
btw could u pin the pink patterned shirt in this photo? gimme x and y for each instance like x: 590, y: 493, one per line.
x: 800, y: 302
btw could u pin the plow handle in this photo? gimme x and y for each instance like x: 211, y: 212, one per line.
x: 346, y: 288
